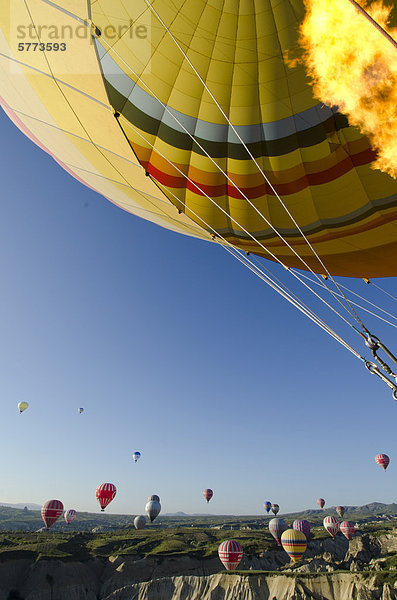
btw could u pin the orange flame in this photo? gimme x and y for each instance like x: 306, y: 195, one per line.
x: 355, y: 68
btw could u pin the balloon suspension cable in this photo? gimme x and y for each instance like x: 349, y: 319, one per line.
x: 378, y: 287
x: 374, y: 23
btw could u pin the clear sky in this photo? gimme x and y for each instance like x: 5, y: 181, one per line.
x: 175, y: 350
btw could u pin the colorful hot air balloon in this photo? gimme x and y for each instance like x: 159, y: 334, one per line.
x: 294, y: 543
x: 321, y: 502
x: 136, y: 456
x: 230, y: 553
x: 139, y: 522
x: 275, y: 508
x: 340, y: 511
x: 348, y: 529
x: 22, y: 406
x: 51, y: 511
x: 331, y: 524
x: 303, y: 526
x: 152, y: 509
x: 215, y: 140
x: 155, y: 144
x: 70, y: 515
x: 208, y: 493
x: 267, y: 506
x: 382, y: 460
x: 105, y: 494
x: 276, y: 528
x: 80, y: 410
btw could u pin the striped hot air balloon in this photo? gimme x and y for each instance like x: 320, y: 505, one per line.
x: 294, y: 543
x: 303, y: 526
x: 208, y: 493
x: 382, y: 460
x: 105, y: 494
x: 276, y: 528
x: 348, y: 529
x: 230, y: 553
x: 331, y: 524
x: 70, y: 515
x: 139, y: 522
x: 267, y: 506
x: 275, y: 508
x: 340, y: 511
x: 51, y: 511
x: 321, y: 502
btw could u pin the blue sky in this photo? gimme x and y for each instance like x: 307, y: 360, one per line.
x: 175, y: 350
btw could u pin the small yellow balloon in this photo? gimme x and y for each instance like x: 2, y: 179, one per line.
x: 22, y: 406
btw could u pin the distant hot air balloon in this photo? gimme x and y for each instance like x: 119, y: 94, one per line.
x: 267, y: 506
x: 80, y: 410
x: 276, y: 528
x: 275, y: 508
x: 105, y: 494
x: 331, y: 524
x: 348, y: 529
x: 303, y: 526
x: 152, y: 509
x: 22, y: 406
x: 382, y: 460
x: 139, y: 522
x: 154, y: 498
x: 136, y: 456
x: 230, y: 553
x: 70, y: 515
x: 51, y: 511
x: 321, y: 502
x: 208, y: 494
x: 294, y: 543
x: 340, y: 511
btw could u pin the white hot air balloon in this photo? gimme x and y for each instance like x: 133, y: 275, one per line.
x: 139, y: 522
x: 152, y: 509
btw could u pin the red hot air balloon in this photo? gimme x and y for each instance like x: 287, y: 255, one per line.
x: 105, y: 494
x: 321, y: 502
x: 230, y: 553
x: 347, y: 528
x: 382, y: 460
x: 51, y: 511
x: 208, y: 494
x: 303, y: 526
x: 340, y: 511
x: 331, y: 524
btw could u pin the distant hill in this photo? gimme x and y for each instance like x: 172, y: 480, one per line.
x: 20, y: 505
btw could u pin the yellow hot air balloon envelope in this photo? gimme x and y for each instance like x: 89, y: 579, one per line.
x: 191, y: 114
x: 22, y: 406
x: 294, y: 543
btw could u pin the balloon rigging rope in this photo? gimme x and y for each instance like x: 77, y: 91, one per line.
x: 359, y: 305
x: 350, y: 309
x: 381, y: 289
x: 274, y: 283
